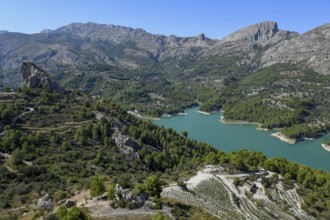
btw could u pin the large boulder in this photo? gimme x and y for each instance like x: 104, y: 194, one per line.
x: 134, y: 201
x: 35, y: 77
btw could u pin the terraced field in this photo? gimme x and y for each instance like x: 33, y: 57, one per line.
x: 216, y: 193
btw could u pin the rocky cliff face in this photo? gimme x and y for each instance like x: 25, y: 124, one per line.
x: 248, y: 44
x: 34, y: 77
x: 257, y: 33
x: 310, y: 50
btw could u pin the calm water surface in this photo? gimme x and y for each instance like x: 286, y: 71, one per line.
x: 231, y: 137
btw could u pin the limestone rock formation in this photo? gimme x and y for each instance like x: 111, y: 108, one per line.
x: 35, y: 77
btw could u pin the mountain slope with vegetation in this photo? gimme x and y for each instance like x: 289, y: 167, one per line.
x: 281, y: 96
x: 89, y: 53
x: 60, y: 142
x: 255, y: 74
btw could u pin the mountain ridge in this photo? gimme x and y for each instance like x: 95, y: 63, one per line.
x: 104, y: 60
x: 151, y: 47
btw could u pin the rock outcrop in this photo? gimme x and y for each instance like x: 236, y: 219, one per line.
x: 126, y: 145
x: 35, y: 77
x: 45, y: 203
x: 134, y: 201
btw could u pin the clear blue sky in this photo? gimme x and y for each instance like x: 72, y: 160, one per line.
x: 215, y: 18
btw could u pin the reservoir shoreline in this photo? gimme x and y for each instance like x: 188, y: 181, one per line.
x: 282, y: 137
x: 326, y: 147
x: 227, y: 138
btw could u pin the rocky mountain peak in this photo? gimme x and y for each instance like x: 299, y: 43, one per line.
x: 310, y: 50
x: 257, y: 33
x: 35, y: 77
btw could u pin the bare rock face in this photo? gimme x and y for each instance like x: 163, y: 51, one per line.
x: 34, y: 77
x: 257, y: 33
x: 248, y: 44
x: 249, y: 38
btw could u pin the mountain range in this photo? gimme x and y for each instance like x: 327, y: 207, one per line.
x: 90, y: 43
x: 157, y: 74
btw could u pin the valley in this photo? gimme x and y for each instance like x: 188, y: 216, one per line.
x: 66, y: 132
x: 250, y: 69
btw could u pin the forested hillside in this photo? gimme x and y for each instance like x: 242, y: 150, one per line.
x: 60, y: 142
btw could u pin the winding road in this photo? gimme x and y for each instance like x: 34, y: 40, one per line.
x: 17, y: 117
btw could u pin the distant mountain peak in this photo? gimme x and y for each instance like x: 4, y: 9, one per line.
x: 260, y: 32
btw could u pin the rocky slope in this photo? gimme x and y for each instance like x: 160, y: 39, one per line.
x: 81, y: 44
x: 78, y: 44
x: 311, y: 49
x: 249, y: 43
